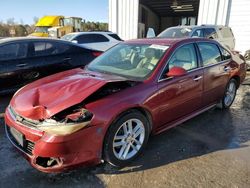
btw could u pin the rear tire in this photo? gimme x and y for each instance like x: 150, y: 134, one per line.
x: 126, y: 138
x: 229, y: 94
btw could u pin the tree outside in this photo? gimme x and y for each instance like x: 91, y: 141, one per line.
x: 11, y: 28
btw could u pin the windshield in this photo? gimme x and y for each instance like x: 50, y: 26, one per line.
x: 181, y: 32
x: 68, y: 37
x: 134, y: 61
x: 42, y: 29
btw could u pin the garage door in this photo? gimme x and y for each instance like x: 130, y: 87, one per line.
x: 239, y: 21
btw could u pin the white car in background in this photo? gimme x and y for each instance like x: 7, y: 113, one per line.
x: 222, y: 34
x: 98, y: 40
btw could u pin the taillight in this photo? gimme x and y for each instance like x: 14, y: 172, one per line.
x: 96, y: 54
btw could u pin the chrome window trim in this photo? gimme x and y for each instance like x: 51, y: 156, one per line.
x: 201, y: 66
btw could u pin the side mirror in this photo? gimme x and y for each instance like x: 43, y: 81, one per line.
x: 150, y: 33
x: 75, y: 41
x: 176, y: 71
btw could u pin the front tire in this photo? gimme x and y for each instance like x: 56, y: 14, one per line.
x: 126, y: 138
x: 229, y: 94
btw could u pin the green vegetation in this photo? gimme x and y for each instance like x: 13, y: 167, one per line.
x: 11, y: 28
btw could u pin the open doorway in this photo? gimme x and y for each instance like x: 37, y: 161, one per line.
x: 161, y: 14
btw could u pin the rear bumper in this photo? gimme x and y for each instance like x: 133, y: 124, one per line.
x: 82, y: 148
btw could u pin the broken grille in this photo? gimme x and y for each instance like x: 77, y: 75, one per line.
x: 22, y: 120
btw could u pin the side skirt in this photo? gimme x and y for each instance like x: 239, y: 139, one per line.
x: 181, y: 120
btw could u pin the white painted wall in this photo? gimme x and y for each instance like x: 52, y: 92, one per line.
x: 123, y: 18
x: 233, y: 13
x: 213, y: 12
x: 239, y: 21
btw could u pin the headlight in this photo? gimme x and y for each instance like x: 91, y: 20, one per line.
x: 61, y: 128
x: 68, y: 125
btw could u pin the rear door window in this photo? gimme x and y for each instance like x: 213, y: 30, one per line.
x: 210, y: 33
x: 115, y: 36
x: 13, y: 51
x: 210, y: 53
x: 91, y: 38
x: 198, y: 33
x: 39, y: 48
x: 49, y: 48
x: 55, y: 48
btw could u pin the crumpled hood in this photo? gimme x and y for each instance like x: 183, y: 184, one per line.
x: 48, y: 96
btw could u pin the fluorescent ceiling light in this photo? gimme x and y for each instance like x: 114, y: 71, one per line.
x: 174, y: 6
x: 183, y: 10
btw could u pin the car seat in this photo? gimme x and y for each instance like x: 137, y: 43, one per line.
x: 150, y: 59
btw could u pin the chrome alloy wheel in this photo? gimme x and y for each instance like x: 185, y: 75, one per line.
x: 128, y: 139
x: 230, y: 94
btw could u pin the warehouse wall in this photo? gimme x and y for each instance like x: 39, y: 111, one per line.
x: 233, y: 13
x: 123, y: 18
x: 213, y: 12
x: 239, y: 21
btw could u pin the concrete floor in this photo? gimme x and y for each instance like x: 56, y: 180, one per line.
x: 211, y: 150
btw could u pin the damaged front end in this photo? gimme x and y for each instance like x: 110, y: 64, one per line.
x: 63, y: 123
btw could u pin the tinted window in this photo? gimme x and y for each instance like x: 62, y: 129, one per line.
x: 39, y: 48
x: 198, y: 33
x: 184, y: 57
x: 49, y: 48
x: 210, y: 33
x: 54, y: 48
x: 225, y: 54
x: 91, y: 38
x: 115, y: 36
x: 13, y: 51
x: 210, y: 53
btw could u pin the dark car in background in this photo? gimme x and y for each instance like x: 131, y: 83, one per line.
x: 23, y: 60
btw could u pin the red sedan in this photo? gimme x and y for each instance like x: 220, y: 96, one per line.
x: 109, y: 109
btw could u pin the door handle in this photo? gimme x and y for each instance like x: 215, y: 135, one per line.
x: 196, y: 78
x: 21, y: 65
x: 226, y: 68
x: 67, y: 59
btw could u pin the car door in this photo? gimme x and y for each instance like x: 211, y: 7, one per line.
x: 180, y: 96
x: 58, y: 57
x: 45, y: 59
x: 13, y: 60
x: 216, y: 72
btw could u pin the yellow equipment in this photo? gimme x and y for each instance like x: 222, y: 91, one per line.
x: 56, y: 26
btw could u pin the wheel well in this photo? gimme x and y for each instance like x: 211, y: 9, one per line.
x: 146, y: 113
x: 237, y: 78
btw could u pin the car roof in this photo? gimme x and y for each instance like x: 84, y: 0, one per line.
x: 18, y: 39
x: 168, y: 41
x: 200, y: 26
x: 45, y: 39
x: 90, y: 32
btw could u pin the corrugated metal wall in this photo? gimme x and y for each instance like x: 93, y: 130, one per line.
x: 123, y: 18
x: 213, y: 12
x: 234, y: 13
x: 239, y: 21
